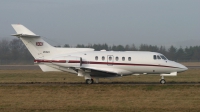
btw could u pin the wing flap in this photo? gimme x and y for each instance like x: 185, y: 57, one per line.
x: 105, y: 72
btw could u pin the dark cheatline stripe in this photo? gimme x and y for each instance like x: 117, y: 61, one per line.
x: 59, y: 61
x: 73, y: 61
x: 101, y: 63
x: 50, y: 61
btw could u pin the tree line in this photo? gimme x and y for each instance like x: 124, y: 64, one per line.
x: 15, y: 52
x: 191, y: 53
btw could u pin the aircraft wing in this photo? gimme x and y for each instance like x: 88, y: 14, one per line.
x: 104, y: 72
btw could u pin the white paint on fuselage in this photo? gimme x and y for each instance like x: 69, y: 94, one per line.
x: 141, y: 62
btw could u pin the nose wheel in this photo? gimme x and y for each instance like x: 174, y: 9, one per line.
x: 162, y: 80
x: 89, y: 81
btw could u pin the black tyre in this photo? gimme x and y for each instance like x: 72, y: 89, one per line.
x: 162, y: 81
x: 89, y: 81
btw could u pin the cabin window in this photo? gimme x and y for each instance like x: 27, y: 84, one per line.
x: 129, y: 58
x: 116, y: 58
x: 123, y: 58
x: 110, y: 58
x: 158, y: 57
x: 154, y: 57
x: 103, y: 58
x: 96, y: 57
x: 163, y: 57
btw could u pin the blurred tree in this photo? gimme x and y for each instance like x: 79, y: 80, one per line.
x: 66, y: 45
x: 172, y: 53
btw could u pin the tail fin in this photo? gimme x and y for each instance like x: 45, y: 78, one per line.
x: 38, y: 47
x: 34, y: 43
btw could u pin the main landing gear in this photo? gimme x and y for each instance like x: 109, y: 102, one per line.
x: 162, y: 80
x: 89, y: 81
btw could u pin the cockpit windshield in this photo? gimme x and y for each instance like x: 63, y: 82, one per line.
x: 158, y: 57
x: 163, y: 57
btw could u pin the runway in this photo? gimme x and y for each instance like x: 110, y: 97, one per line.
x: 19, y: 67
x: 100, y: 83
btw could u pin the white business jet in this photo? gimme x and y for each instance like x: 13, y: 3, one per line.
x: 92, y: 64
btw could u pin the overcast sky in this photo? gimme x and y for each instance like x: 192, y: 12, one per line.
x: 156, y: 22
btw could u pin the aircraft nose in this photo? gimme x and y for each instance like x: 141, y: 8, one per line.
x: 185, y: 68
x: 182, y: 68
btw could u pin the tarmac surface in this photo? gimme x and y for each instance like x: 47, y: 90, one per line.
x: 100, y: 83
x: 19, y: 67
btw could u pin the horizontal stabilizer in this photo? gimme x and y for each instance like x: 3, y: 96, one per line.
x: 25, y: 35
x: 20, y: 29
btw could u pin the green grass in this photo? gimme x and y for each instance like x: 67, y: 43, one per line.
x: 100, y: 98
x: 97, y: 97
x: 192, y: 75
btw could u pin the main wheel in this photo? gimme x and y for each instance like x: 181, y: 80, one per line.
x: 162, y: 81
x: 89, y: 81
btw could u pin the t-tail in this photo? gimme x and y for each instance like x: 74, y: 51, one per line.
x: 39, y: 48
x: 34, y: 43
